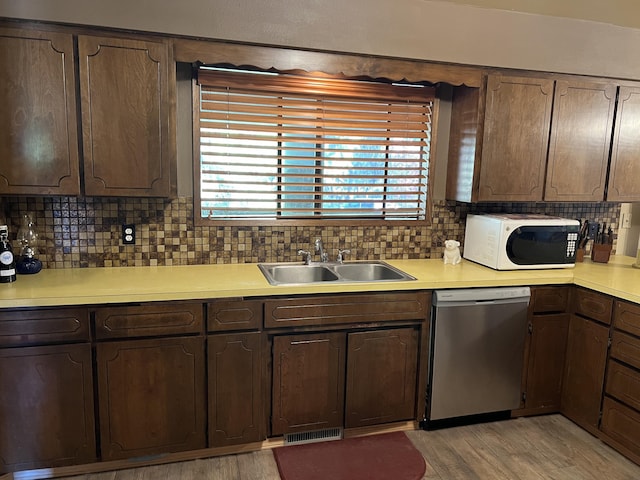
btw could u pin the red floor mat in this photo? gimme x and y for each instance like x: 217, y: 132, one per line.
x: 389, y: 456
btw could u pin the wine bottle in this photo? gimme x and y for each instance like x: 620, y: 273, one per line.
x: 7, y: 260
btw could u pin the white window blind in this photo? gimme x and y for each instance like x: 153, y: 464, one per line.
x: 293, y: 147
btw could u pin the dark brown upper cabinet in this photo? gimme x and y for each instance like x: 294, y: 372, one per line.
x: 499, y: 139
x: 515, y: 137
x: 38, y: 122
x: 532, y: 139
x: 625, y: 154
x: 127, y: 116
x: 580, y: 141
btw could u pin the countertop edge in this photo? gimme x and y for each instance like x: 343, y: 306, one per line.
x: 115, y: 285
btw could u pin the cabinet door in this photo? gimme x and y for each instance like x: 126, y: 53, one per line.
x: 583, y: 379
x: 38, y: 123
x: 547, y: 348
x: 152, y: 396
x: 381, y: 376
x: 308, y: 382
x: 46, y: 407
x: 625, y: 154
x: 580, y: 141
x: 126, y: 117
x: 515, y: 140
x: 235, y: 393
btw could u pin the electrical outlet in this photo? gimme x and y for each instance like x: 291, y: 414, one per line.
x: 593, y: 230
x: 626, y: 220
x: 128, y: 234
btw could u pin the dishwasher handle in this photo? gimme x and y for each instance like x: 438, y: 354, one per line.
x: 473, y: 296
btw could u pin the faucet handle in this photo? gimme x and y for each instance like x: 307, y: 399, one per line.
x: 306, y: 256
x: 341, y: 254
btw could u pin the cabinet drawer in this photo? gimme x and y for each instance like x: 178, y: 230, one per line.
x: 234, y: 315
x: 593, y: 305
x: 623, y: 383
x: 28, y: 327
x: 625, y: 348
x: 148, y: 320
x: 550, y: 299
x: 621, y: 423
x: 626, y: 317
x: 346, y: 309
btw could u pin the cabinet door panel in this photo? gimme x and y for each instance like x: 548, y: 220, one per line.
x: 356, y: 308
x: 580, y: 141
x: 235, y: 393
x: 515, y: 139
x: 381, y: 376
x: 149, y: 320
x: 625, y: 348
x: 234, y: 315
x: 549, y: 299
x: 627, y: 317
x: 38, y: 126
x: 125, y: 116
x: 622, y: 424
x: 46, y: 407
x: 625, y: 154
x: 584, y: 371
x: 546, y: 361
x: 308, y: 382
x: 24, y: 327
x: 152, y: 396
x: 623, y: 383
x: 593, y: 305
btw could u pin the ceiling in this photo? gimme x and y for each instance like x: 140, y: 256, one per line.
x: 625, y: 13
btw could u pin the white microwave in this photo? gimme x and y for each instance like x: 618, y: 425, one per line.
x: 521, y: 241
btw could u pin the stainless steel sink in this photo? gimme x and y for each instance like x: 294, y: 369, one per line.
x: 278, y: 274
x: 295, y: 274
x: 370, y: 272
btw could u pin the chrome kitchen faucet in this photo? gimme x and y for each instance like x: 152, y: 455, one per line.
x: 324, y: 256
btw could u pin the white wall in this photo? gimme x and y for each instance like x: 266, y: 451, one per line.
x: 629, y: 233
x: 422, y: 29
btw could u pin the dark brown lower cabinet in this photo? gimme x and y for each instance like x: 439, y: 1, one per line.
x: 152, y: 396
x: 235, y: 389
x: 46, y: 407
x: 545, y: 362
x: 381, y: 376
x: 308, y: 382
x: 583, y: 380
x: 622, y: 424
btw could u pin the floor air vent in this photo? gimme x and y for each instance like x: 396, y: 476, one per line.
x: 315, y: 436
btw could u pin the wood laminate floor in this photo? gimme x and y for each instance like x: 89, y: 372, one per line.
x: 536, y: 448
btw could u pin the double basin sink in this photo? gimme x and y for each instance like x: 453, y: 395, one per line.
x: 296, y: 274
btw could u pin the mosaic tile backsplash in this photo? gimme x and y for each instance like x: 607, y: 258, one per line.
x: 86, y: 232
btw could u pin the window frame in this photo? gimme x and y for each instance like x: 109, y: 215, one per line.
x: 304, y: 221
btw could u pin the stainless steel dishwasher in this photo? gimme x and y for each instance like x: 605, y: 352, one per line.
x: 477, y: 350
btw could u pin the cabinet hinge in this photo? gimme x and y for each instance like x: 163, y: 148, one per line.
x: 530, y: 328
x: 600, y: 419
x: 609, y: 342
x: 524, y: 396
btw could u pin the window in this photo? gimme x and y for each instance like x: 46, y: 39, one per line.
x: 276, y: 147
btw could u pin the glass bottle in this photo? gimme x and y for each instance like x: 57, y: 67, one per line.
x: 28, y: 238
x: 7, y: 261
